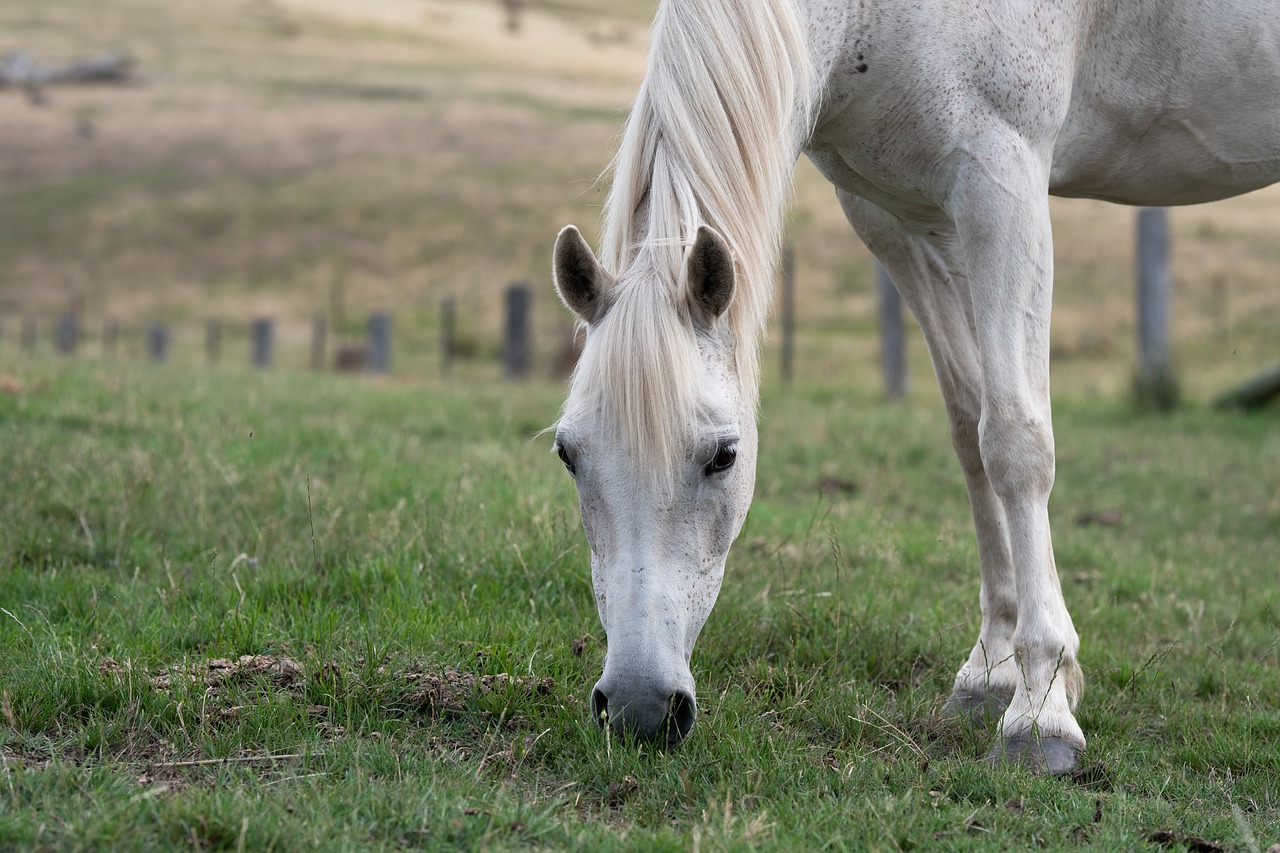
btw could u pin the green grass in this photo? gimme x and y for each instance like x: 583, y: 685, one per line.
x: 379, y: 535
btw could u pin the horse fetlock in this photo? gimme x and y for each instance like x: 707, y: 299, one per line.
x: 1048, y: 670
x: 1042, y: 709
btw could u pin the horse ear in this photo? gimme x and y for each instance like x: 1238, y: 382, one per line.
x: 580, y: 280
x: 709, y: 274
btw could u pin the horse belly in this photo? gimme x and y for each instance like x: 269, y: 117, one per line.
x: 1180, y: 161
x: 1191, y: 113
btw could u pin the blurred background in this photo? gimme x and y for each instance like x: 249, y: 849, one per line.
x: 308, y: 164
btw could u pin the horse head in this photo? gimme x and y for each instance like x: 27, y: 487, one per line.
x: 660, y: 440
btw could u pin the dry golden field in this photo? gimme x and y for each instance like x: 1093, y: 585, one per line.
x: 283, y: 157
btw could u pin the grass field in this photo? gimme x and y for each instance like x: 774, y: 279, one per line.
x: 248, y: 611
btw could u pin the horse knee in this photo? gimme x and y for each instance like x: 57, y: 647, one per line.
x: 1017, y: 453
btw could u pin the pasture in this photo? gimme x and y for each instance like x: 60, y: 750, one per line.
x: 245, y: 610
x: 405, y: 563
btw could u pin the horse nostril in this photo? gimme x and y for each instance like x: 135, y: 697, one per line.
x: 599, y: 707
x: 682, y: 710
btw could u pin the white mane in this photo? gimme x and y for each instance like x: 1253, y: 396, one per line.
x: 711, y: 139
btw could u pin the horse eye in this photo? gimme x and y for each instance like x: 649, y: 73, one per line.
x: 564, y: 457
x: 726, y: 455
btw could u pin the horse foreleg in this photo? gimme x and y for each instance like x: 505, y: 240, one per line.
x: 926, y: 270
x: 1000, y: 206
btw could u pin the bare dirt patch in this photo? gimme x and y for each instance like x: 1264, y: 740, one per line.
x: 1168, y: 838
x: 449, y: 691
x: 235, y: 686
x: 621, y: 790
x: 436, y: 691
x: 219, y: 672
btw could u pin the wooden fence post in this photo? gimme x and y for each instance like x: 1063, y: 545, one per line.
x: 262, y: 343
x: 1155, y: 386
x: 213, y: 341
x: 158, y: 342
x: 64, y: 340
x: 319, y: 341
x: 448, y: 329
x: 788, y: 273
x: 379, y: 333
x: 893, y: 353
x: 515, y: 349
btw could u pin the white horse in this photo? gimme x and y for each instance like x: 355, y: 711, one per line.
x: 944, y: 127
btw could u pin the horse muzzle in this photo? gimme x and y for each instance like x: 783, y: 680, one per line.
x: 644, y: 710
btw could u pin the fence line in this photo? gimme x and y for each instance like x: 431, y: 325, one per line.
x: 373, y: 351
x: 379, y: 337
x: 448, y: 329
x: 158, y: 342
x: 330, y: 347
x: 515, y: 348
x: 263, y: 342
x: 65, y: 336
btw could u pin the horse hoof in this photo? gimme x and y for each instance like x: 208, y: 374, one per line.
x: 977, y: 704
x: 1049, y: 755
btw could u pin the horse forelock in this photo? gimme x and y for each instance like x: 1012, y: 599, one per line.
x: 639, y: 381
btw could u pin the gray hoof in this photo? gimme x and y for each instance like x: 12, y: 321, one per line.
x: 980, y: 705
x: 1049, y: 755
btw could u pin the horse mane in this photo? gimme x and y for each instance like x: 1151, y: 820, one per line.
x: 711, y: 138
